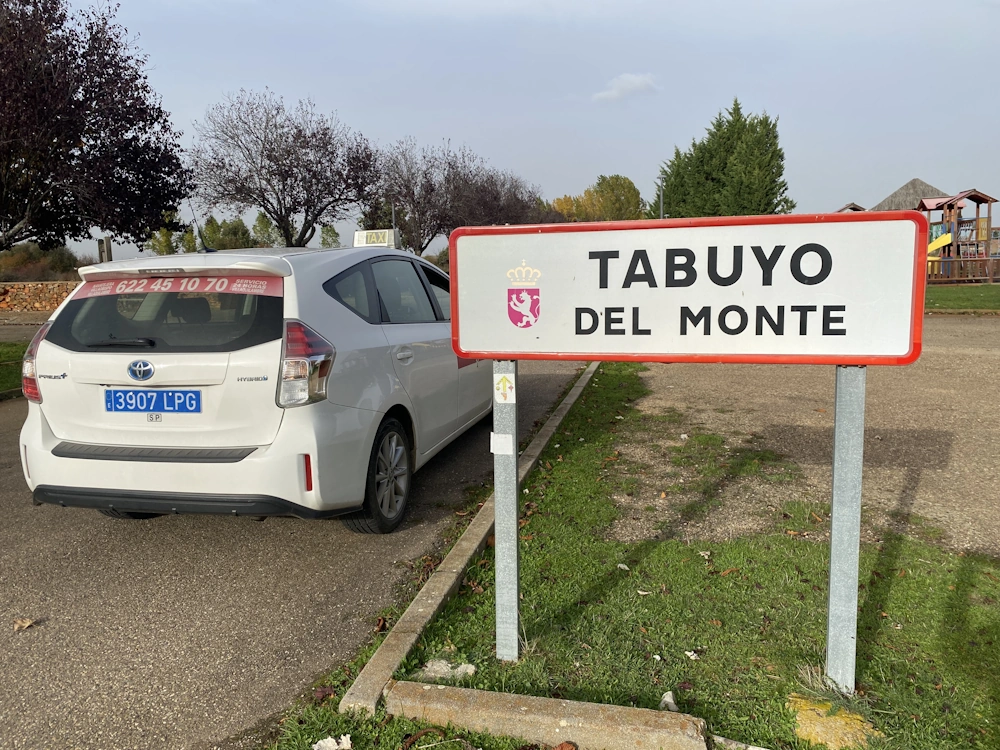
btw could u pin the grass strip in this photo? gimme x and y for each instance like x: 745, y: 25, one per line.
x: 963, y: 297
x: 10, y: 366
x: 732, y: 627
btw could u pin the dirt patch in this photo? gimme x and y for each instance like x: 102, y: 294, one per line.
x: 932, y: 431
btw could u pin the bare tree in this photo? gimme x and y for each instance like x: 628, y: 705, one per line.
x: 301, y: 168
x: 413, y: 187
x: 480, y: 195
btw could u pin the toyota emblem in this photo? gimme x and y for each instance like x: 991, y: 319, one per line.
x: 140, y: 370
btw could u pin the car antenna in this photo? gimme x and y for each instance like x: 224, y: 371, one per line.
x: 204, y: 245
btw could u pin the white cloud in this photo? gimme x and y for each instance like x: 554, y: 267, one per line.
x: 625, y: 85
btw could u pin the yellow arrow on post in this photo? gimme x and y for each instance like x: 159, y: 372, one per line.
x: 504, y: 387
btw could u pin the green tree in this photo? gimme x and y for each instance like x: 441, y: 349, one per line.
x: 614, y: 198
x: 166, y: 240
x: 187, y: 243
x: 211, y: 234
x: 328, y: 237
x: 163, y: 242
x: 737, y: 169
x: 234, y: 233
x: 265, y: 234
x: 229, y: 234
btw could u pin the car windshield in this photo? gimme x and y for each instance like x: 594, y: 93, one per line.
x: 171, y: 315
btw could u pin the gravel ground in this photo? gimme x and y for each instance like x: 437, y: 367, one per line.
x: 931, y: 440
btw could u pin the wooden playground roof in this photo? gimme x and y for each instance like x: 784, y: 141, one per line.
x: 955, y: 201
x: 850, y: 207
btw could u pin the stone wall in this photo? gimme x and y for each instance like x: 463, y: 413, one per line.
x: 33, y: 296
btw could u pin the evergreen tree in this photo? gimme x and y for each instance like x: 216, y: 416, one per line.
x: 329, y: 237
x: 265, y: 234
x: 737, y: 169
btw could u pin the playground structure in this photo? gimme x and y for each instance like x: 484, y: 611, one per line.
x: 960, y: 249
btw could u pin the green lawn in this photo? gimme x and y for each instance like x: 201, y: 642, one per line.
x: 616, y: 622
x: 10, y: 374
x: 963, y: 297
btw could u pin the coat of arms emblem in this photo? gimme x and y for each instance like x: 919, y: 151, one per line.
x: 523, y: 295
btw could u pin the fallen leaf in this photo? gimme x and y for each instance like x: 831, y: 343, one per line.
x: 522, y: 522
x: 22, y: 623
x: 727, y: 571
x: 527, y: 537
x: 622, y: 566
x: 717, y: 623
x: 586, y: 646
x: 644, y: 593
x: 883, y: 614
x: 791, y: 532
x: 684, y: 685
x: 461, y: 513
x: 902, y: 572
x: 548, y: 465
x: 558, y: 458
x: 663, y: 495
x: 818, y: 519
x: 643, y: 630
x: 566, y: 746
x: 324, y: 692
x: 380, y: 625
x: 821, y: 411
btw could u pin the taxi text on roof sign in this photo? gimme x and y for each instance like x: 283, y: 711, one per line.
x: 813, y: 289
x: 376, y: 238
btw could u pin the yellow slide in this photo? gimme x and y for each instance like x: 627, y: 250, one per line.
x: 944, y: 239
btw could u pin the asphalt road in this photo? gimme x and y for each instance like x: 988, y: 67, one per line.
x: 181, y: 631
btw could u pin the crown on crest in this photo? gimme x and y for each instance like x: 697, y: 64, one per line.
x: 525, y: 275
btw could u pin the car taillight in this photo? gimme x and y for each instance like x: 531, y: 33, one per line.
x: 29, y: 377
x: 306, y: 362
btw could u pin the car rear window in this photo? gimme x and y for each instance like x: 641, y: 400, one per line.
x: 172, y: 314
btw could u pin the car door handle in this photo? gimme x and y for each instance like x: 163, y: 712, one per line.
x: 404, y: 354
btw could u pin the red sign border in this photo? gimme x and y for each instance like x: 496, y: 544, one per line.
x: 917, y: 309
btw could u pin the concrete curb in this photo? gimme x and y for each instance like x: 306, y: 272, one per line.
x: 366, y: 691
x: 989, y: 313
x: 591, y: 726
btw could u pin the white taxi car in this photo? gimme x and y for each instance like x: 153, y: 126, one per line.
x: 299, y: 382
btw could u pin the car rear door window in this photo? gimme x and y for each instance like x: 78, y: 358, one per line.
x: 441, y: 288
x: 402, y: 294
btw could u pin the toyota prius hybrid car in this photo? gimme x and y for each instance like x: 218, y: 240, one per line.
x: 290, y: 382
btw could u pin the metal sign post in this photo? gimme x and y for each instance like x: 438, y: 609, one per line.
x: 845, y: 527
x: 506, y: 490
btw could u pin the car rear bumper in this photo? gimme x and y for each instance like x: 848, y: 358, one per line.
x: 267, y: 480
x: 176, y: 502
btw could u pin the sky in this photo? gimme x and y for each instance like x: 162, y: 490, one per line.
x: 869, y: 94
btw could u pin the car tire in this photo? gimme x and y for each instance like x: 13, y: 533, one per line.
x: 129, y: 515
x: 387, y: 487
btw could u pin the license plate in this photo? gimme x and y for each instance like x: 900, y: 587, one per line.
x: 161, y: 401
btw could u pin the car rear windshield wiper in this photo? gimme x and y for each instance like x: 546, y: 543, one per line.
x: 123, y: 342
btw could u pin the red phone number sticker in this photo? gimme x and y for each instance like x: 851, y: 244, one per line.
x: 267, y: 286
